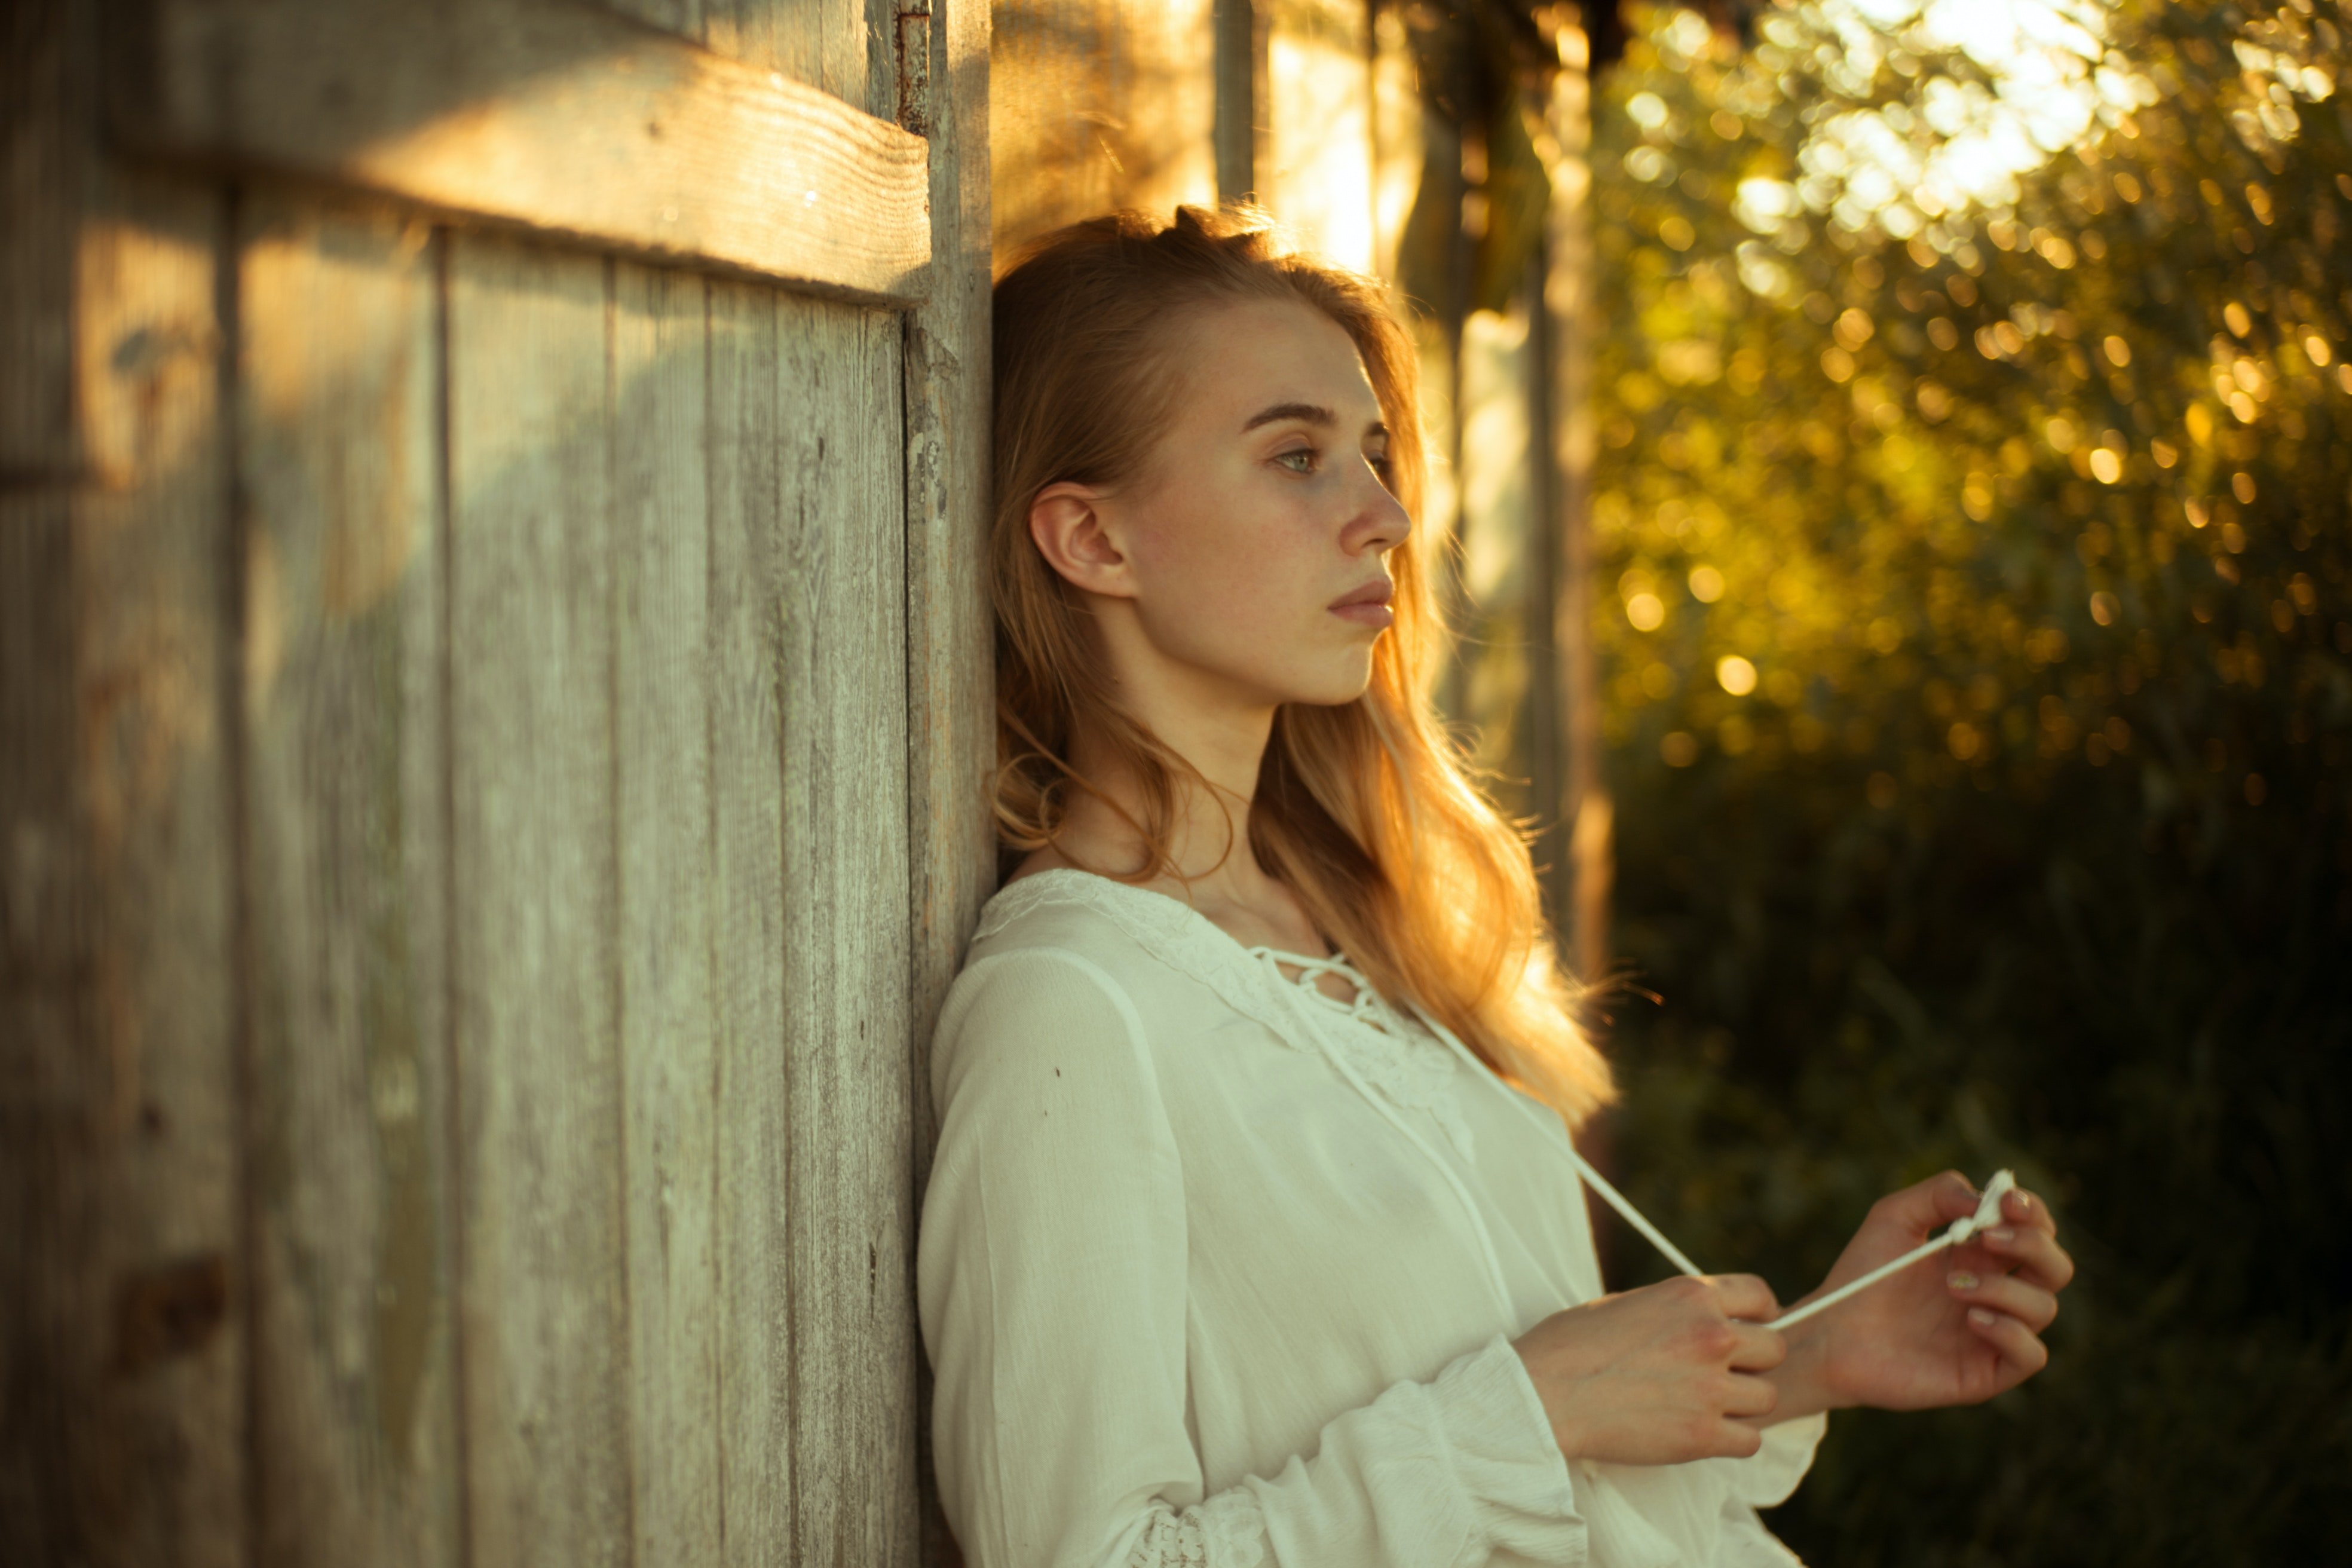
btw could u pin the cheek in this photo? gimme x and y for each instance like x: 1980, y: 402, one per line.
x: 1222, y: 559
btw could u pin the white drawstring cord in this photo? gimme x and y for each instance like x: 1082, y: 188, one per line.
x: 1988, y: 1207
x: 1988, y: 1213
x: 1600, y: 1183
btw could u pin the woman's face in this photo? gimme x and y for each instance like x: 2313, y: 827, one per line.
x: 1249, y: 550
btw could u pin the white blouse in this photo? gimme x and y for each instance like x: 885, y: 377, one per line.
x: 1217, y: 1270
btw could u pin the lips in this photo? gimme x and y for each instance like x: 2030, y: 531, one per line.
x: 1368, y: 605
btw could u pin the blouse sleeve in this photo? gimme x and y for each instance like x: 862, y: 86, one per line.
x: 1051, y: 1272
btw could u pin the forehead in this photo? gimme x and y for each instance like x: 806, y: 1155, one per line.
x: 1241, y: 356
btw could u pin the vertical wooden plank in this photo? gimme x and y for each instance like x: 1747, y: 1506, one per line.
x: 1240, y: 123
x: 951, y: 733
x: 683, y: 17
x: 950, y: 677
x: 661, y: 660
x: 52, y: 1091
x: 543, y: 1308
x: 42, y: 121
x: 747, y: 696
x: 121, y: 1426
x: 848, y: 1156
x: 150, y: 600
x: 830, y: 44
x: 345, y: 853
x: 119, y: 1122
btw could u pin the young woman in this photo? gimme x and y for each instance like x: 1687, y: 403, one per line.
x: 1252, y: 1237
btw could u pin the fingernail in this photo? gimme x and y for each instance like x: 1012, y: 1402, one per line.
x: 1979, y: 1317
x: 1961, y: 1279
x: 1999, y: 1233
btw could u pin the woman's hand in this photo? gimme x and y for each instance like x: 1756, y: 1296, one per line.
x: 1658, y: 1375
x: 1953, y: 1329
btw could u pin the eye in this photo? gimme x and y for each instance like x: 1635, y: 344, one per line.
x: 1306, y: 453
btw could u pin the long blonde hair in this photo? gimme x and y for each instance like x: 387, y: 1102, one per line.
x: 1364, y: 809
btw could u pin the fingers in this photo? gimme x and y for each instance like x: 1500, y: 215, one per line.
x: 1755, y: 1348
x: 1734, y: 1440
x: 2021, y: 1208
x: 1931, y: 1205
x: 2032, y: 1250
x: 2027, y: 1302
x: 2023, y: 1353
x: 1744, y: 1296
x: 1749, y: 1396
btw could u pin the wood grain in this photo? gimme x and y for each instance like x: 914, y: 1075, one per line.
x: 848, y: 1156
x: 951, y: 703
x: 950, y: 678
x: 838, y: 46
x: 120, y: 1131
x: 40, y: 111
x: 545, y: 114
x: 544, y: 1259
x: 338, y: 453
x: 662, y: 732
x: 753, y: 1304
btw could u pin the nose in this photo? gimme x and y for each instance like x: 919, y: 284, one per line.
x: 1381, y: 523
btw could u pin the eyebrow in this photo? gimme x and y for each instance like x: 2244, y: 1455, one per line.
x: 1312, y: 413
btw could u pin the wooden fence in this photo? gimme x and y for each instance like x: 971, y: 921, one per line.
x: 493, y: 674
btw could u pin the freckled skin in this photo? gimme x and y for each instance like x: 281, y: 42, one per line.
x: 1208, y: 581
x: 1239, y: 541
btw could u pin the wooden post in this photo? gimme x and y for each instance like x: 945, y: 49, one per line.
x: 1241, y: 101
x: 1584, y: 802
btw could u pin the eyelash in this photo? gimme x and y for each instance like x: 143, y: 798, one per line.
x: 1381, y: 464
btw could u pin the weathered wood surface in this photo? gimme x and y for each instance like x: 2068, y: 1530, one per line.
x: 545, y: 114
x: 749, y: 701
x: 849, y: 1159
x: 543, y: 1280
x: 839, y: 47
x: 122, y: 1432
x: 489, y: 798
x: 346, y: 859
x: 950, y: 697
x: 40, y: 170
x: 662, y: 665
x: 951, y: 706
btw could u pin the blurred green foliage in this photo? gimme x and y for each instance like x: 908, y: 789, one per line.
x: 1976, y: 599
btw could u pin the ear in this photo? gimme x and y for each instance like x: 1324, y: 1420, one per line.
x: 1072, y: 534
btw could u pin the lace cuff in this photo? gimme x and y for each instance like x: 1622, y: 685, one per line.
x: 1505, y: 1456
x: 1227, y: 1531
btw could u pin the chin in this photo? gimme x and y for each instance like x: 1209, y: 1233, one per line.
x: 1333, y: 687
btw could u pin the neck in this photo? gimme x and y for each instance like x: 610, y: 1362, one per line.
x: 1221, y: 729
x: 1209, y: 840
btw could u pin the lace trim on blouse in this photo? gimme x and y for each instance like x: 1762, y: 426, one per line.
x: 1405, y: 1063
x: 1227, y: 1531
